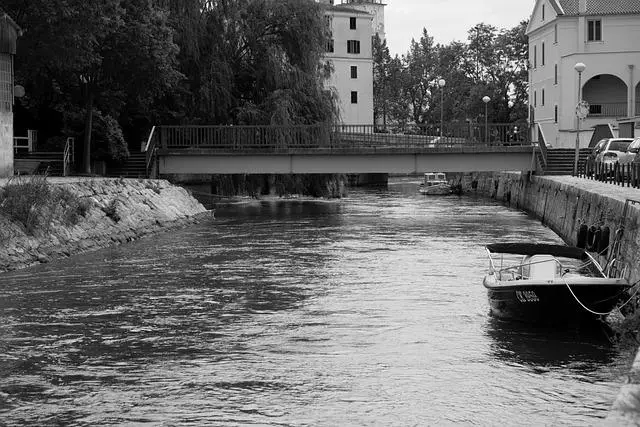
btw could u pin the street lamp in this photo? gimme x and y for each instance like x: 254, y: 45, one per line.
x: 486, y: 100
x: 441, y: 83
x: 579, y: 67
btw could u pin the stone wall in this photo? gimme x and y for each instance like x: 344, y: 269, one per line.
x: 6, y: 144
x: 119, y: 211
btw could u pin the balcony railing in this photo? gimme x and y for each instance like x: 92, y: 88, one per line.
x: 607, y: 109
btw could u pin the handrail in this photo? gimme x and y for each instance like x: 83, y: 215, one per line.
x: 150, y: 149
x: 543, y: 146
x: 68, y: 156
x: 146, y: 147
x: 17, y: 145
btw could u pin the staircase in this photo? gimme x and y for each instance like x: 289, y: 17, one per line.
x: 134, y: 167
x: 39, y: 162
x: 560, y: 160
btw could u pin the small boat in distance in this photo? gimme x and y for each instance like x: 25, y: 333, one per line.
x: 435, y: 183
x: 543, y: 283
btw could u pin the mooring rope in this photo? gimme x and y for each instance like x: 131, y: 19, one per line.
x: 609, y: 312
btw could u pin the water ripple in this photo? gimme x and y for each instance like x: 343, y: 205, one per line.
x: 368, y: 310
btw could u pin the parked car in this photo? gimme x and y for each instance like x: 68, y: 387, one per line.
x: 609, y: 150
x: 630, y: 155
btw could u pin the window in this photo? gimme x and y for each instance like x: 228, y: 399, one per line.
x: 542, y: 103
x: 555, y: 33
x: 535, y: 56
x: 354, y: 97
x: 543, y: 12
x: 352, y: 23
x: 542, y: 53
x: 594, y: 30
x: 354, y: 71
x: 353, y: 46
x: 6, y: 83
x: 555, y: 74
x: 330, y: 45
x: 535, y: 98
x: 555, y: 114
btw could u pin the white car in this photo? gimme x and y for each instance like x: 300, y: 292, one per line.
x: 609, y: 150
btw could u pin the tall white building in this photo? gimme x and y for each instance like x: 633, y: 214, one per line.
x: 352, y: 25
x: 374, y: 8
x: 604, y: 35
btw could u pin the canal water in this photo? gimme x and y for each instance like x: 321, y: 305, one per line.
x: 364, y: 311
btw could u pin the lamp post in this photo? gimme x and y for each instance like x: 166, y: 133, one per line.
x: 486, y: 100
x: 579, y: 67
x: 441, y: 83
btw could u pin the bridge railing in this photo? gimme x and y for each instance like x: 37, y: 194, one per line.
x: 337, y: 137
x: 245, y: 137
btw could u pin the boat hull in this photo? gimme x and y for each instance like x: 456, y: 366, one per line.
x: 435, y: 190
x: 553, y: 303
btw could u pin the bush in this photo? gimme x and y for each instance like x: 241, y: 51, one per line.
x: 107, y: 139
x: 25, y: 200
x: 33, y: 202
x: 73, y: 206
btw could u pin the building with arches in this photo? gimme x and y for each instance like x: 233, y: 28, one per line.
x: 603, y: 35
x: 9, y: 32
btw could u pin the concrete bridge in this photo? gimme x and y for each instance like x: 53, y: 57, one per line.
x: 336, y: 149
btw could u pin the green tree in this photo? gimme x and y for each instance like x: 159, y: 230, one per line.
x: 106, y: 56
x: 256, y: 62
x: 381, y: 80
x: 421, y: 61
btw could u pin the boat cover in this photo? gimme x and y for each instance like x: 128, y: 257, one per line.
x: 537, y: 249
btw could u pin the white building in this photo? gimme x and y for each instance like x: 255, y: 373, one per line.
x: 9, y: 32
x: 604, y: 35
x: 350, y: 52
x: 374, y: 8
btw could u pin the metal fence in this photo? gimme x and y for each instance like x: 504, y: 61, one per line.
x: 337, y: 137
x: 613, y: 173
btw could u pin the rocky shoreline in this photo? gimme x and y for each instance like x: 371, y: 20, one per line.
x: 114, y: 211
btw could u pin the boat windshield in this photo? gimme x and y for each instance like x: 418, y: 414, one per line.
x: 435, y: 177
x: 544, y: 267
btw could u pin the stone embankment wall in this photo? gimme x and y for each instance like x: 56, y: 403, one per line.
x: 118, y: 211
x: 565, y: 203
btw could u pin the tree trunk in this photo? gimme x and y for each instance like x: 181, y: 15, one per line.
x: 88, y: 125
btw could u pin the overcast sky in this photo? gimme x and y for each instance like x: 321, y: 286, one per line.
x: 447, y: 20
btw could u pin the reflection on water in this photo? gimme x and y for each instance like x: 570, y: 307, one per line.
x: 548, y: 347
x: 368, y: 310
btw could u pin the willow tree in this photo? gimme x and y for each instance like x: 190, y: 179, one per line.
x: 252, y: 61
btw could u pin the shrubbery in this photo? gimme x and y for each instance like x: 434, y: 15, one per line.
x: 34, y: 203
